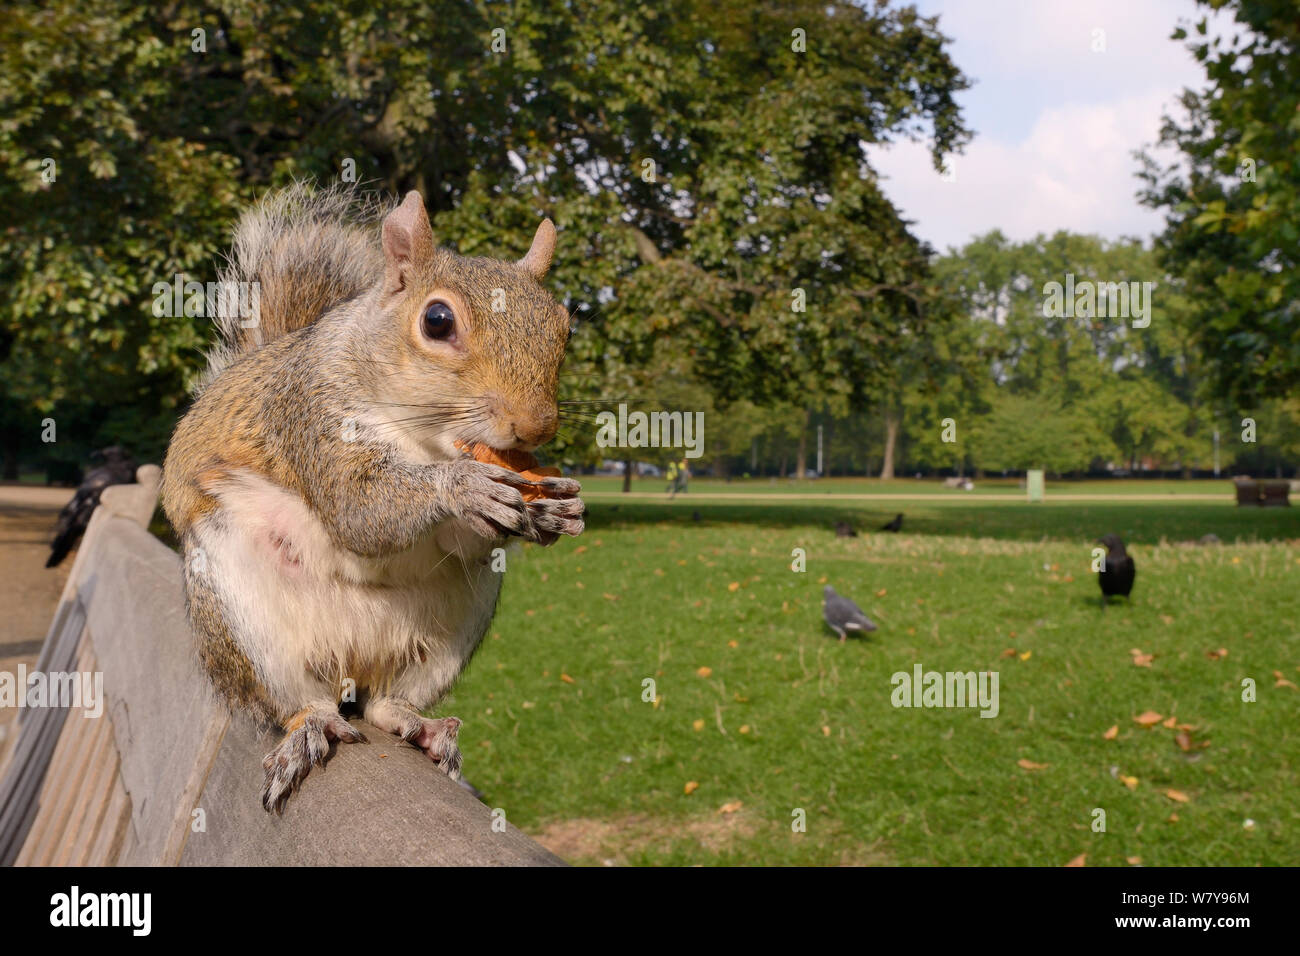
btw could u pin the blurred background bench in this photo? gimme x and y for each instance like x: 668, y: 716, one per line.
x: 1266, y: 494
x: 163, y: 775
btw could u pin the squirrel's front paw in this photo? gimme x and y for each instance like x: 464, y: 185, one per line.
x: 307, y: 743
x: 553, y: 517
x: 487, y: 502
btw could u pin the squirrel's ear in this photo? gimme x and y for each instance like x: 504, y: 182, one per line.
x: 538, y: 261
x: 408, y: 238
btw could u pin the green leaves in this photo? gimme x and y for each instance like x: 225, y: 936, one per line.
x: 1233, y: 200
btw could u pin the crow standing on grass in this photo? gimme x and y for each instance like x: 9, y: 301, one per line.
x: 843, y: 615
x: 1118, y: 571
x: 896, y: 525
x: 118, y: 469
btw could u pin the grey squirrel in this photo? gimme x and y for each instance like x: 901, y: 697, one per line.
x: 334, y: 532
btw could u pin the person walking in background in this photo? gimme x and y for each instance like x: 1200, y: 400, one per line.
x: 683, y: 476
x: 672, y: 479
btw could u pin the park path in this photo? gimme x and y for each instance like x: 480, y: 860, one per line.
x: 29, y: 592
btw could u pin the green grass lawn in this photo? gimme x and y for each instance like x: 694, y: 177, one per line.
x: 786, y: 718
x: 603, y: 484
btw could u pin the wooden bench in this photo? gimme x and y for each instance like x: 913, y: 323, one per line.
x: 164, y: 776
x: 1266, y: 494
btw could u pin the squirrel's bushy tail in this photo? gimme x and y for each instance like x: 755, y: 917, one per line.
x: 303, y: 250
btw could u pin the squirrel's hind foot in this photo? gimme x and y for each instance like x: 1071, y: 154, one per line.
x: 305, y: 745
x: 435, y: 736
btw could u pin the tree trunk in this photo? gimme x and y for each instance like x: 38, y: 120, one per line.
x: 11, y: 442
x: 892, y: 421
x: 628, y: 465
x: 801, y: 459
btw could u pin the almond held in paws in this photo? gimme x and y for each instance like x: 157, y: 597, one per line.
x: 515, y: 460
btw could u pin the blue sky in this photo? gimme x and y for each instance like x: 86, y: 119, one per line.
x: 1055, y: 123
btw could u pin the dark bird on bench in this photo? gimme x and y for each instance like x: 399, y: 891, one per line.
x: 118, y: 469
x: 843, y: 615
x: 1118, y: 570
x: 844, y: 530
x: 896, y: 525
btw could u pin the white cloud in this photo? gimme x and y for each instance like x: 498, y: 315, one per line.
x: 1056, y: 123
x: 1075, y: 170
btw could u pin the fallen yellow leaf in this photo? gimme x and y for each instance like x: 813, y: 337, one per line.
x: 1026, y: 655
x: 1130, y: 782
x: 1133, y: 860
x: 1177, y: 795
x: 1170, y: 723
x: 1078, y: 860
x: 1112, y: 733
x: 733, y: 643
x: 567, y: 679
x: 1030, y: 765
x: 704, y: 671
x: 733, y: 586
x: 1143, y: 660
x: 744, y: 728
x: 1184, y: 741
x: 1149, y: 718
x: 731, y: 807
x: 826, y: 731
x: 691, y: 787
x: 697, y: 725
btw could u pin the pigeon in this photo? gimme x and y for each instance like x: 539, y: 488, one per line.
x: 844, y: 530
x: 1118, y: 570
x: 895, y: 526
x: 118, y: 469
x: 843, y: 615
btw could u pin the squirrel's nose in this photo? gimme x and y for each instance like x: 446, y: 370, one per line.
x: 537, y: 429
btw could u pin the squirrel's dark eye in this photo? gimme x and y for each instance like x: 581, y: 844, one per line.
x: 439, y: 321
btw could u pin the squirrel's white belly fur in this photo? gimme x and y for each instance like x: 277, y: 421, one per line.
x: 309, y: 615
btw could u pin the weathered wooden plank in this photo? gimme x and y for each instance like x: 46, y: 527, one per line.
x: 381, y: 803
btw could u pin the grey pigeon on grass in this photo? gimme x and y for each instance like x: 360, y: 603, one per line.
x: 843, y: 615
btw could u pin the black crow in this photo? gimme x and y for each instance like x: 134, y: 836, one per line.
x: 843, y: 615
x: 844, y: 530
x: 895, y: 525
x: 1118, y: 570
x: 118, y: 469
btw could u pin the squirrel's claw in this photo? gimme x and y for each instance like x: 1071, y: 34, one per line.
x: 435, y: 736
x: 304, y: 746
x: 556, y: 516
